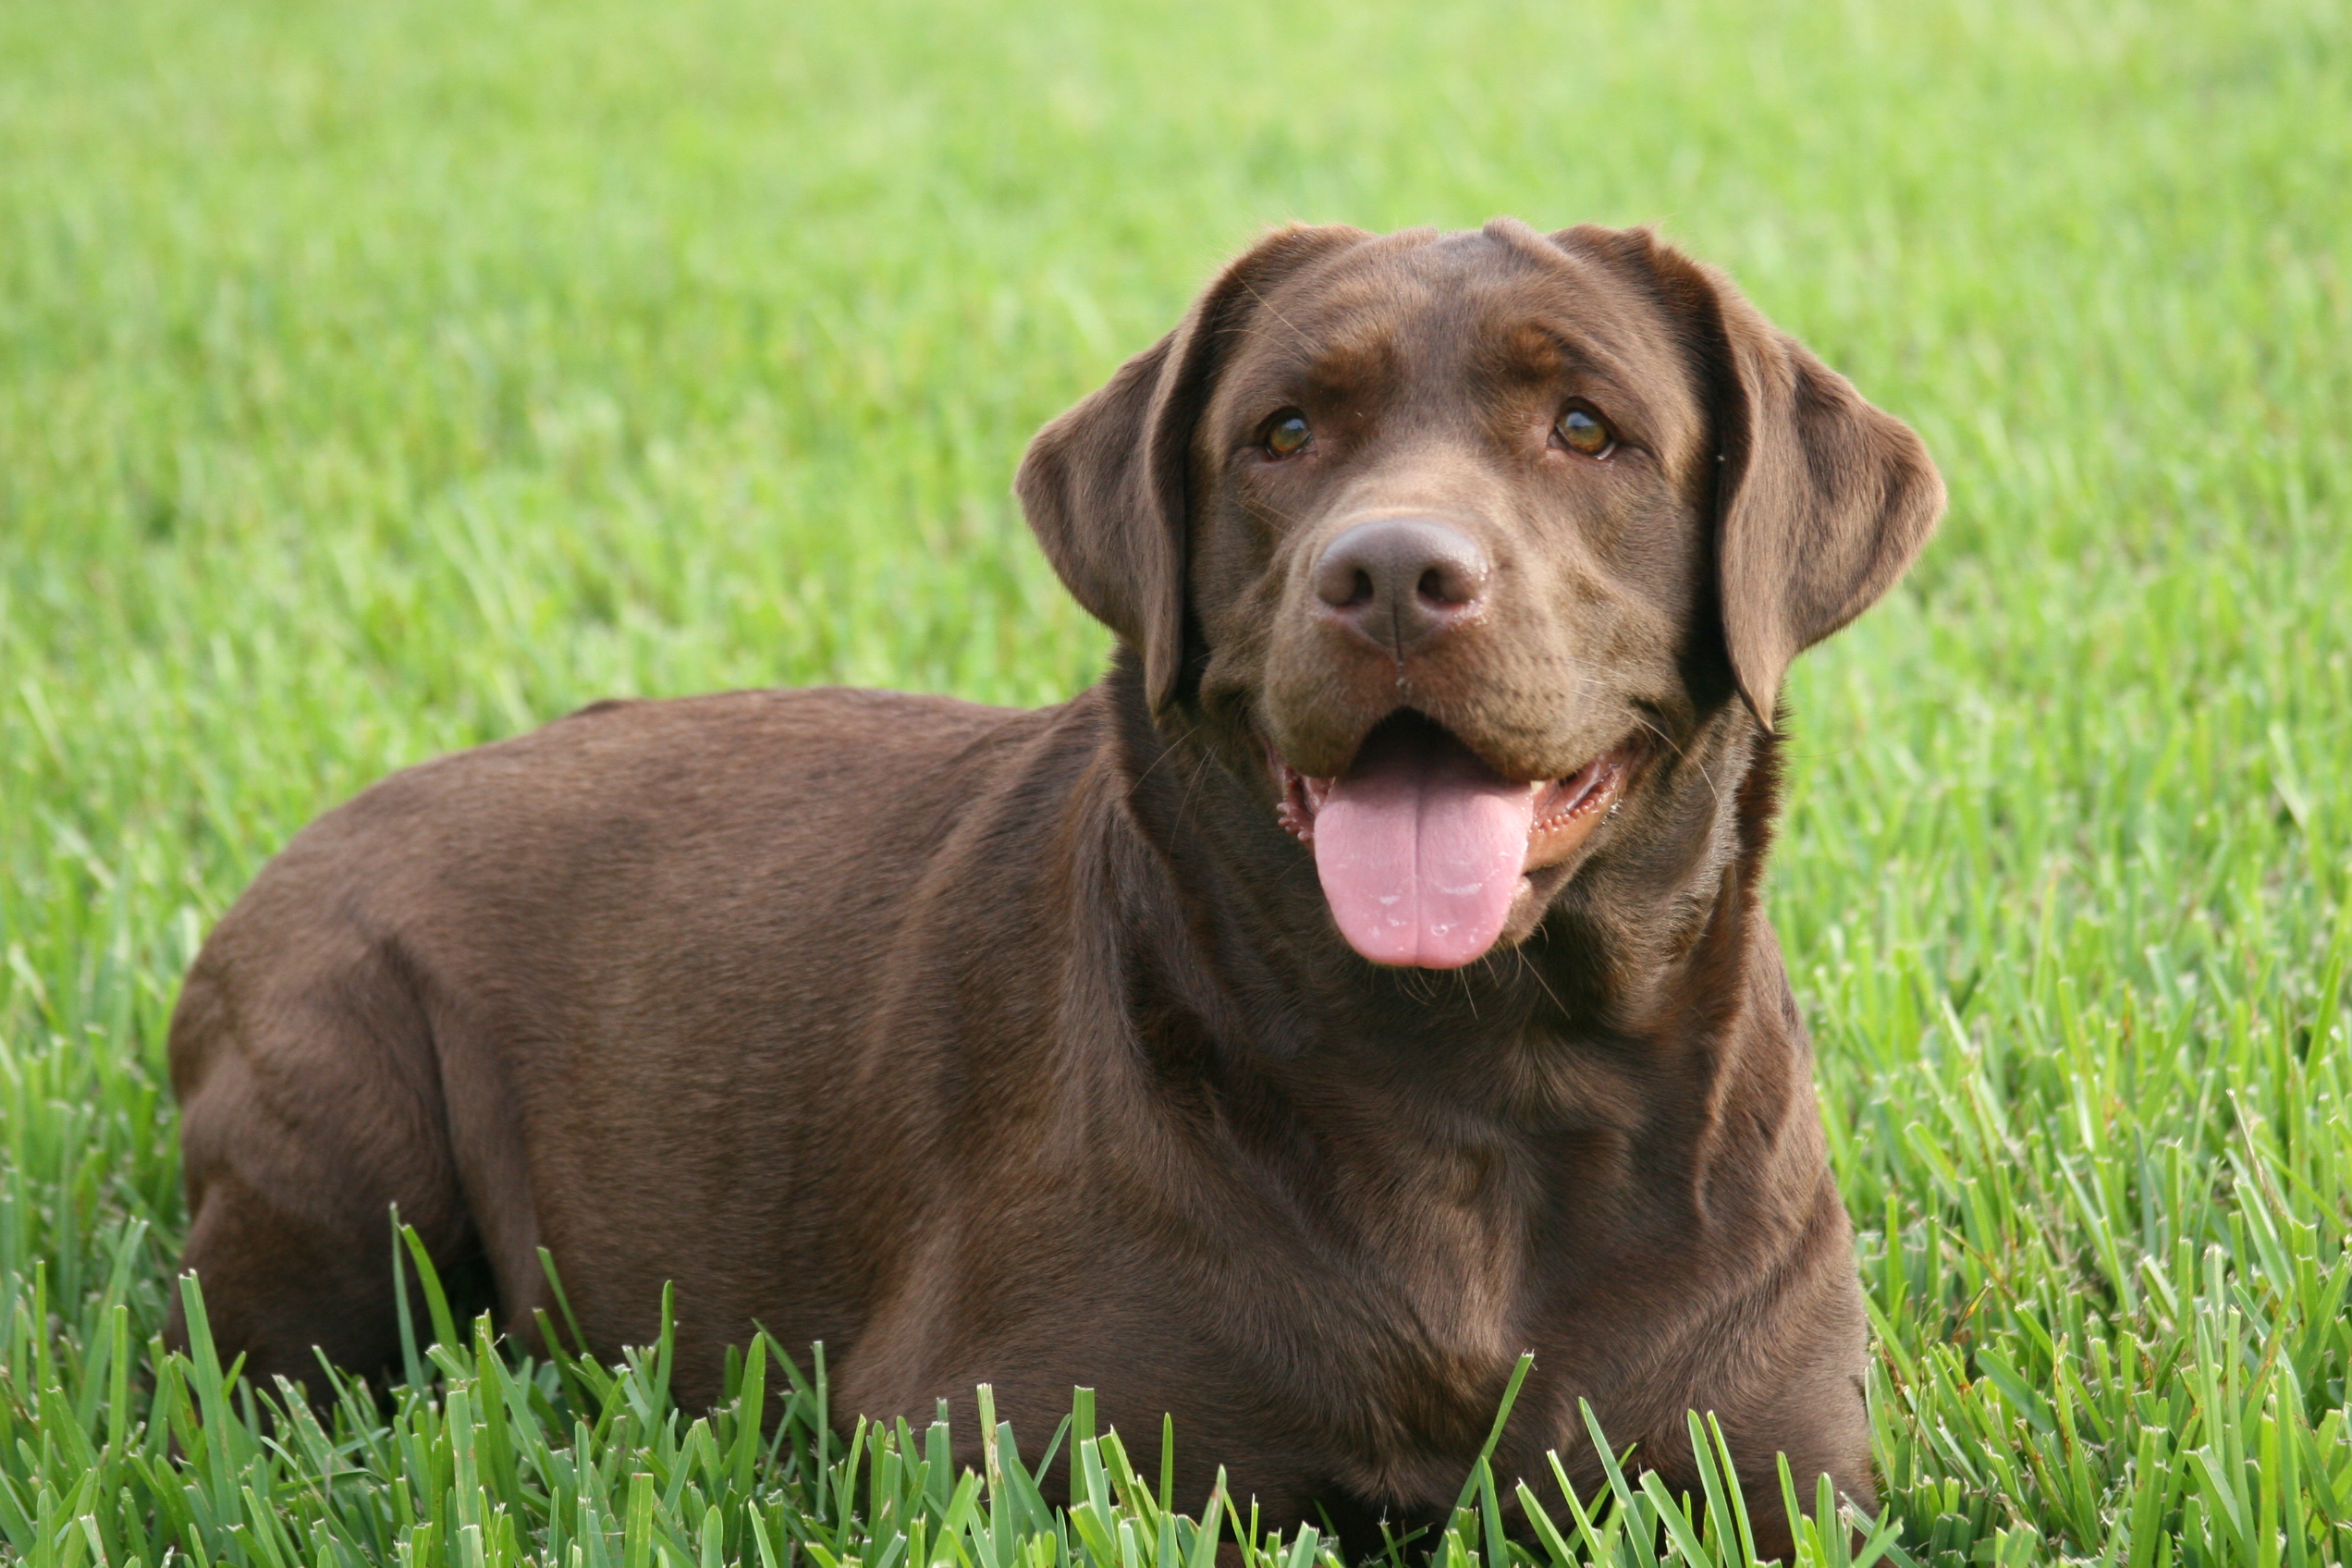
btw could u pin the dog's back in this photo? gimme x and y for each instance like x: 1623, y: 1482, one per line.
x: 647, y: 937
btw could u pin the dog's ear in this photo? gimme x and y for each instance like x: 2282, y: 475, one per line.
x: 1104, y: 486
x: 1822, y: 503
x: 1821, y: 500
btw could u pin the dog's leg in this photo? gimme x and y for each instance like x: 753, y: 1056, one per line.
x: 311, y: 1106
x: 282, y: 1289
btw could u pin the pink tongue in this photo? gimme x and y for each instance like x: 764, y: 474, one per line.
x: 1419, y: 847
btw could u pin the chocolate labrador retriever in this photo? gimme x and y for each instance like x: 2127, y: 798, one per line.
x: 1366, y: 982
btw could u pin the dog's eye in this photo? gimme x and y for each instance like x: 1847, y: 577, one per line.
x: 1287, y: 435
x: 1580, y: 430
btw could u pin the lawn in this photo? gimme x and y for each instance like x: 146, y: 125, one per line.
x: 381, y: 379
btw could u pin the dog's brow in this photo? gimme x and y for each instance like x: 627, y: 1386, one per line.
x: 1582, y: 351
x: 1347, y: 361
x: 1593, y: 365
x: 1267, y: 305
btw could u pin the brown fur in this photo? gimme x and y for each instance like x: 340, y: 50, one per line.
x: 1021, y: 1047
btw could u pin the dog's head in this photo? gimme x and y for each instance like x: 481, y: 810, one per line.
x: 1448, y: 531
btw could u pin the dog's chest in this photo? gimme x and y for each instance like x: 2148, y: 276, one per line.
x: 1426, y: 1258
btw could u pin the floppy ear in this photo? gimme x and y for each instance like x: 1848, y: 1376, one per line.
x: 1822, y: 503
x: 1104, y: 486
x: 1821, y: 500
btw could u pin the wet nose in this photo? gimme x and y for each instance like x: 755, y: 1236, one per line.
x: 1399, y: 581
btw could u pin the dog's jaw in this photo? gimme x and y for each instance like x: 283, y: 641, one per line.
x: 1398, y: 909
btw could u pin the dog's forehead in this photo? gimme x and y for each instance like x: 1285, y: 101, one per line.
x: 1512, y: 303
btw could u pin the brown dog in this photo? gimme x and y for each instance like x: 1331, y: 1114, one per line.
x: 1364, y: 983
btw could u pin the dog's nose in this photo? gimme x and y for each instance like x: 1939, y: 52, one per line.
x: 1399, y: 581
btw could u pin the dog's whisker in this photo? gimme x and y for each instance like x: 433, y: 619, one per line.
x: 1707, y: 777
x: 1259, y: 299
x: 1535, y: 974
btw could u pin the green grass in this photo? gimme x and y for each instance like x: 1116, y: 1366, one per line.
x: 381, y: 379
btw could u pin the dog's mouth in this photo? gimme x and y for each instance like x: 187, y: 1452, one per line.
x: 1423, y: 848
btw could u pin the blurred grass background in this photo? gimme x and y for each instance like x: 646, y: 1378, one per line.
x: 377, y: 379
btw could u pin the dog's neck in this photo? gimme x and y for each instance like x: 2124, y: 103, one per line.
x: 1639, y: 961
